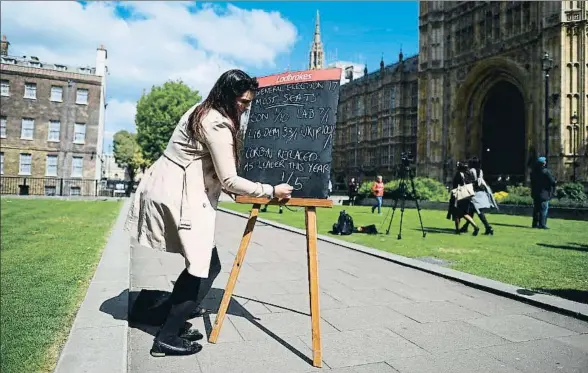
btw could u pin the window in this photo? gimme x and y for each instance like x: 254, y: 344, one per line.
x: 393, y: 99
x: 75, y: 191
x: 51, y: 166
x: 25, y: 164
x: 82, y: 96
x: 5, y: 88
x: 3, y: 127
x: 28, y: 129
x: 2, y: 163
x: 54, y: 128
x: 56, y: 93
x: 30, y: 90
x: 50, y: 190
x: 79, y: 133
x: 76, y: 166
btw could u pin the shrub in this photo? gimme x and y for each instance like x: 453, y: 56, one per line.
x: 426, y: 188
x: 519, y: 190
x: 500, y: 196
x: 572, y: 192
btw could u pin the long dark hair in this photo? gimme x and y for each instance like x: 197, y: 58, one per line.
x: 475, y: 164
x: 223, y: 98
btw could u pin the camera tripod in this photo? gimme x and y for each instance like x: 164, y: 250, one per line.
x: 401, y: 193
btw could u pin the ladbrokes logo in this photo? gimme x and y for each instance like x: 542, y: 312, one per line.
x: 294, y: 78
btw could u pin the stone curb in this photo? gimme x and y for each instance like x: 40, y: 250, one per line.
x: 97, y: 341
x: 548, y: 302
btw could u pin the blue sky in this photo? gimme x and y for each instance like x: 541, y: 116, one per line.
x: 351, y: 31
x: 150, y: 42
x: 360, y: 32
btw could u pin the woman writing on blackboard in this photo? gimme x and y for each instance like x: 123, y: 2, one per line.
x: 174, y: 209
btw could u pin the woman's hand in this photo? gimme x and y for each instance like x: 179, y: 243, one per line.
x: 282, y: 191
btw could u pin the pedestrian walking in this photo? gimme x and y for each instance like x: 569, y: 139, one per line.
x: 378, y: 191
x: 483, y: 197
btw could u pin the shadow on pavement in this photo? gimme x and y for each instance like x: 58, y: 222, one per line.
x: 137, y: 306
x: 580, y: 296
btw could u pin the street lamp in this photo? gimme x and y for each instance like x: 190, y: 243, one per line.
x: 547, y: 63
x: 574, y: 139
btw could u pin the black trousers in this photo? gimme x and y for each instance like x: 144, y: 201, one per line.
x: 189, y: 291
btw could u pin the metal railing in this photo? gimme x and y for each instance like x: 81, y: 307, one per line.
x: 47, y: 186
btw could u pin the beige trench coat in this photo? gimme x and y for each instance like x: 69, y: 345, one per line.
x: 174, y: 208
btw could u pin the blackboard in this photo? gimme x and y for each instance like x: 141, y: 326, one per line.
x: 290, y: 131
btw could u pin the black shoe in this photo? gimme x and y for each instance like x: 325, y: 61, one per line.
x: 281, y: 211
x: 199, y: 312
x: 191, y: 335
x: 174, y: 347
x: 464, y: 229
x: 476, y: 230
x: 489, y: 231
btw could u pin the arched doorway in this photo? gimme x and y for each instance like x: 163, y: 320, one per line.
x: 503, y: 132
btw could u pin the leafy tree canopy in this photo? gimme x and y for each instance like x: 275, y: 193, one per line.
x: 158, y: 113
x: 127, y: 152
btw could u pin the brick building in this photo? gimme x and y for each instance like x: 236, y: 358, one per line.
x: 52, y: 124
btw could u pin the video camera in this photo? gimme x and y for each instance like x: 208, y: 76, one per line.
x: 406, y: 159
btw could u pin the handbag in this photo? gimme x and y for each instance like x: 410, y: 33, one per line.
x: 463, y: 191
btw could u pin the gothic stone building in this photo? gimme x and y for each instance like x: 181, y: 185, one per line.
x: 376, y: 122
x: 52, y: 119
x: 482, y: 91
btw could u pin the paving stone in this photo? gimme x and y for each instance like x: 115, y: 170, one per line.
x: 367, y: 368
x: 367, y: 346
x: 367, y: 317
x: 579, y: 326
x: 261, y: 356
x: 92, y: 353
x: 542, y: 356
x: 374, y: 297
x: 260, y: 288
x: 299, y: 302
x: 578, y: 341
x: 448, y: 336
x: 280, y: 325
x: 519, y: 328
x: 469, y: 361
x: 494, y: 305
x: 434, y: 311
x: 426, y: 293
x: 150, y: 282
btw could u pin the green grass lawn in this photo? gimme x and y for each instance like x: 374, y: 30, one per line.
x: 554, y: 260
x: 50, y: 249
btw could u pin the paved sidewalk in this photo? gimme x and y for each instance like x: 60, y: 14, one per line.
x: 377, y: 316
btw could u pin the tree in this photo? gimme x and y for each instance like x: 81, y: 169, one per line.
x: 158, y: 114
x: 128, y: 155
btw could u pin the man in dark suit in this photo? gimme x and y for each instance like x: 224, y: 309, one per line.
x: 542, y: 189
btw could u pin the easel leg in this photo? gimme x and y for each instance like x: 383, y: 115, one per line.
x: 220, y: 317
x: 311, y: 240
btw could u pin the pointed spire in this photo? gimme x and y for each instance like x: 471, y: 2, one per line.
x: 400, y: 55
x: 317, y: 28
x: 365, y: 70
x: 382, y: 61
x: 317, y: 55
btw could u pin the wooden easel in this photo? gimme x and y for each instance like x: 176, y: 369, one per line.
x: 310, y: 206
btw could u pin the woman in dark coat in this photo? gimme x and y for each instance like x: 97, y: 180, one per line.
x: 462, y: 208
x: 483, y: 197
